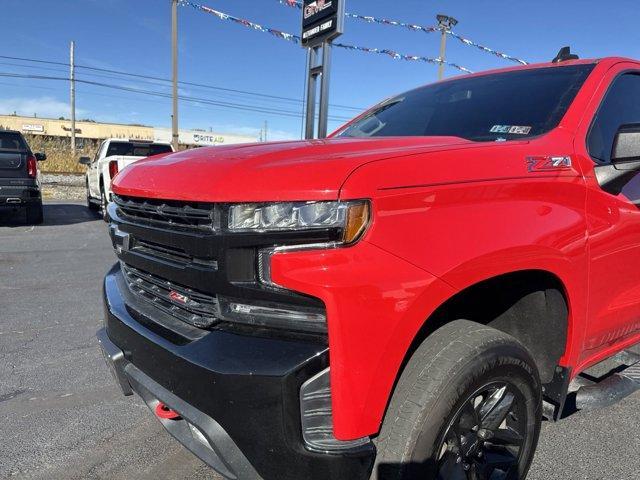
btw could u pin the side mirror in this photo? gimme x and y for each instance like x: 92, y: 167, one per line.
x: 625, y: 160
x: 626, y: 145
x: 84, y: 161
x: 41, y: 157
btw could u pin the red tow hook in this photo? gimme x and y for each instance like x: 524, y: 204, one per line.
x: 162, y: 411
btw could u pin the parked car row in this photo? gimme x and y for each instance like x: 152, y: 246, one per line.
x: 20, y: 177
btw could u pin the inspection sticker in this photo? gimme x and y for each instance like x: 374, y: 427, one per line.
x: 514, y: 129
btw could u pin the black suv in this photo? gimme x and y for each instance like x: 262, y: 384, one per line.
x: 19, y: 182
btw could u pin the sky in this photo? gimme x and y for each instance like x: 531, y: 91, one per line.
x: 134, y: 36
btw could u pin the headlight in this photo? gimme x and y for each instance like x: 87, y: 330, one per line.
x: 347, y: 222
x: 350, y: 217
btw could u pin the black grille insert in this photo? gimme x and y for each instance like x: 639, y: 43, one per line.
x: 196, y: 308
x: 176, y: 255
x: 199, y: 216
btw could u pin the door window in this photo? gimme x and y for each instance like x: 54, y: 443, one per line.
x: 621, y: 106
x: 98, y: 153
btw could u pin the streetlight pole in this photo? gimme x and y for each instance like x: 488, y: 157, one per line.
x: 445, y: 23
x: 174, y: 57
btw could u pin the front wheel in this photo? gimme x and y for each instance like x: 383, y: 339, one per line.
x: 467, y: 407
x: 103, y: 205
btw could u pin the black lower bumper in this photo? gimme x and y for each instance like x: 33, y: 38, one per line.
x: 240, y: 390
x: 18, y: 193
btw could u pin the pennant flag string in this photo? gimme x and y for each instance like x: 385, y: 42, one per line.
x: 296, y: 39
x: 470, y: 43
x: 416, y: 28
x: 382, y: 21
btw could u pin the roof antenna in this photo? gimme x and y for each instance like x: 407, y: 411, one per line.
x: 565, y: 54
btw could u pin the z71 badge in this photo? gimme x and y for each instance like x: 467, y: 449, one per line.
x: 548, y: 164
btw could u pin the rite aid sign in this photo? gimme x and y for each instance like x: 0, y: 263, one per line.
x: 204, y: 139
x: 322, y: 20
x: 32, y: 127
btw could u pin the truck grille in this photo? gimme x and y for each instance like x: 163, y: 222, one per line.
x: 188, y: 305
x: 179, y: 258
x: 198, y: 216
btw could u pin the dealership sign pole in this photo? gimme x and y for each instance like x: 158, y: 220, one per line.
x: 322, y: 22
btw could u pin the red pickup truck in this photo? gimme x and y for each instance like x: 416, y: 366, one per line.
x: 405, y: 299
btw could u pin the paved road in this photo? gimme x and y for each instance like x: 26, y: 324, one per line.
x: 62, y: 417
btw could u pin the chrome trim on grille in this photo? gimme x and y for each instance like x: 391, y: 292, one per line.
x: 201, y: 217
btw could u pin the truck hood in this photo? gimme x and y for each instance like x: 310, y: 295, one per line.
x: 279, y: 171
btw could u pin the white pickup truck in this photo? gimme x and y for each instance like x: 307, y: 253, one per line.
x: 113, y: 155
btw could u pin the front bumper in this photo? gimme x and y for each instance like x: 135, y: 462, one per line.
x: 241, y: 391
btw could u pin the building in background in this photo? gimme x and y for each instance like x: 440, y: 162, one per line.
x: 200, y: 138
x: 94, y: 132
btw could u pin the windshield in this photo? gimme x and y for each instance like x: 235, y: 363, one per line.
x: 12, y: 141
x: 133, y: 149
x: 502, y: 106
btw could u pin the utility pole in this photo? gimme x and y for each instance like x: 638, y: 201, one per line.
x: 265, y: 130
x: 174, y: 56
x: 445, y: 23
x: 72, y: 78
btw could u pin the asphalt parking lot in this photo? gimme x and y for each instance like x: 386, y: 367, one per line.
x: 61, y: 415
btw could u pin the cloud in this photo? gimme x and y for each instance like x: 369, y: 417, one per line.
x: 41, y: 106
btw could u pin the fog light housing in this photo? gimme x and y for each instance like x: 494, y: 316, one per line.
x: 317, y: 417
x: 305, y: 319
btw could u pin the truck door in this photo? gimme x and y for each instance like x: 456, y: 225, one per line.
x: 613, y: 222
x: 94, y: 172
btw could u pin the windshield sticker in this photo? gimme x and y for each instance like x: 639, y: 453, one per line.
x: 513, y: 129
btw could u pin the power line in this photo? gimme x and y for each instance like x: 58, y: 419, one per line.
x: 202, y: 85
x: 192, y: 84
x: 34, y: 60
x: 225, y: 95
x: 200, y: 100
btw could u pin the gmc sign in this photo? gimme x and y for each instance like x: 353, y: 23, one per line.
x: 322, y: 20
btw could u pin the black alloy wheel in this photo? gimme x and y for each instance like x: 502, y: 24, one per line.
x: 467, y: 406
x: 484, y: 439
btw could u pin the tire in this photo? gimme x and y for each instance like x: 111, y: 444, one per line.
x: 91, y: 205
x: 444, y: 421
x: 34, y: 214
x: 103, y: 205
